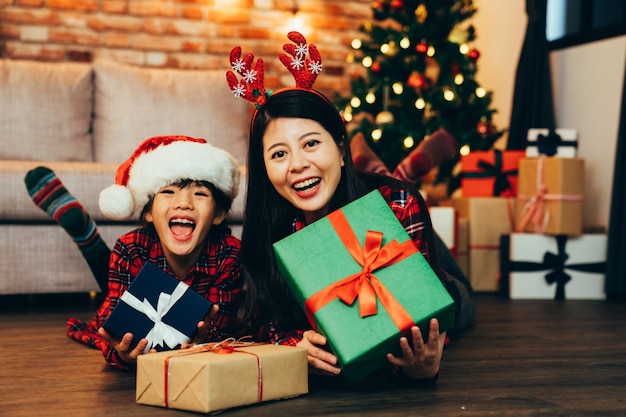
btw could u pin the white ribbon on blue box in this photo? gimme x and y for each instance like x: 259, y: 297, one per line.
x: 562, y: 143
x: 159, y: 308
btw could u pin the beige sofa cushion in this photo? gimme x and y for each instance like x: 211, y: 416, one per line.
x: 45, y: 111
x: 133, y: 104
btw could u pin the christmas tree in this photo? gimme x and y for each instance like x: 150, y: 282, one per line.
x: 417, y: 75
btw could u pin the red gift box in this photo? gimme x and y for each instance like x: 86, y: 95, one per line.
x: 490, y: 173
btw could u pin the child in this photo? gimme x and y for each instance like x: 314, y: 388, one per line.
x: 184, y: 188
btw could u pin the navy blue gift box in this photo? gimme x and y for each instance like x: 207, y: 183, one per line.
x: 159, y: 308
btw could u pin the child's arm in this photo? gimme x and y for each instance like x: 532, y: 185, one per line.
x: 121, y: 271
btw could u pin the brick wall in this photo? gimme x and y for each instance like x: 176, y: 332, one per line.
x: 185, y: 34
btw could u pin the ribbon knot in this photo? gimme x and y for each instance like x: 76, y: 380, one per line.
x: 495, y: 170
x: 548, y: 145
x: 556, y: 264
x: 161, y: 333
x: 363, y: 284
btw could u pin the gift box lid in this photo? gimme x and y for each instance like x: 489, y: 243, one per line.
x: 158, y: 307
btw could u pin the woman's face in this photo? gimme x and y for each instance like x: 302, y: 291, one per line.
x: 303, y: 164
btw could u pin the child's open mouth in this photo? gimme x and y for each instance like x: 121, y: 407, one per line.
x: 182, y: 227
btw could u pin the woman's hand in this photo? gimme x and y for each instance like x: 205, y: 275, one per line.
x: 203, y: 328
x: 321, y: 362
x: 421, y: 361
x: 122, y: 346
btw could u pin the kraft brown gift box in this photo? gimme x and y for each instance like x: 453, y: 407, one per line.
x: 462, y: 257
x: 562, y: 180
x: 211, y: 381
x: 487, y: 219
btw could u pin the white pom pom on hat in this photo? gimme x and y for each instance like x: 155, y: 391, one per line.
x: 163, y: 160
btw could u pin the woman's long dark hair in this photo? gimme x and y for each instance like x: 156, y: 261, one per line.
x: 269, y: 217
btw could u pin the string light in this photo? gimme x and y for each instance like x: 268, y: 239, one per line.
x: 464, y: 150
x: 397, y: 88
x: 420, y: 103
x: 347, y: 114
x: 463, y: 48
x: 384, y: 48
x: 480, y: 92
x: 405, y: 43
x: 458, y: 79
x: 370, y: 98
x: 355, y: 102
x: 448, y: 95
x: 377, y: 134
x: 408, y: 142
x: 367, y: 61
x: 431, y: 51
x: 356, y: 44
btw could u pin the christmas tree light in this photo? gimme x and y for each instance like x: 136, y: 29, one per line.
x: 417, y: 74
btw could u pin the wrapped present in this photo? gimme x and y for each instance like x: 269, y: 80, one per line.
x: 444, y: 224
x: 550, y: 196
x: 562, y: 143
x: 219, y: 376
x: 362, y: 282
x: 487, y: 218
x: 157, y: 307
x: 556, y: 267
x: 490, y: 173
x: 462, y: 253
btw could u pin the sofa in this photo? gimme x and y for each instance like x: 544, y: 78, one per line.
x: 82, y: 120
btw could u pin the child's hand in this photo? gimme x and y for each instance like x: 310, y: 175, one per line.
x: 122, y: 346
x: 321, y: 361
x: 203, y: 328
x: 421, y: 361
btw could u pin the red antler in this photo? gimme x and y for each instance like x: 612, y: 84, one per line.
x: 304, y: 70
x: 250, y: 87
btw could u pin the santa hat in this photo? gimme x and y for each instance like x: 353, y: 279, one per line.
x: 161, y: 161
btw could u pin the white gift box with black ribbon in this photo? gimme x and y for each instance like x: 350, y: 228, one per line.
x: 561, y: 143
x: 557, y: 267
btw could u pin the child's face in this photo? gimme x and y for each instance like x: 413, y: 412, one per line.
x: 183, y: 217
x: 303, y: 163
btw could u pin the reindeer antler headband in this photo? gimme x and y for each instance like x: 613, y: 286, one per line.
x: 251, y: 86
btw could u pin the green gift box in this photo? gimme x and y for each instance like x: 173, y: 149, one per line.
x: 363, y: 311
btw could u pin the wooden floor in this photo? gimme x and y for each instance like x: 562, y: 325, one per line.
x: 523, y: 358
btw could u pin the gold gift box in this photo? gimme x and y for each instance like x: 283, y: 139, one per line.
x: 487, y: 219
x: 211, y: 381
x: 562, y: 179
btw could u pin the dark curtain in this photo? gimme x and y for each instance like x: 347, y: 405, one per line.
x: 616, y: 251
x: 532, y: 96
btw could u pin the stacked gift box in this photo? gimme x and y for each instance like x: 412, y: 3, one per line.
x: 485, y: 211
x: 550, y: 256
x: 165, y: 311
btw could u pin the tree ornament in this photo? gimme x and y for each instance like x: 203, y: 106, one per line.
x: 421, y: 47
x: 375, y: 67
x: 482, y: 128
x: 473, y: 54
x: 421, y: 13
x: 416, y: 80
x: 385, y: 116
x: 397, y: 4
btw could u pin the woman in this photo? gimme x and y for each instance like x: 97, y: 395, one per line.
x: 300, y: 169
